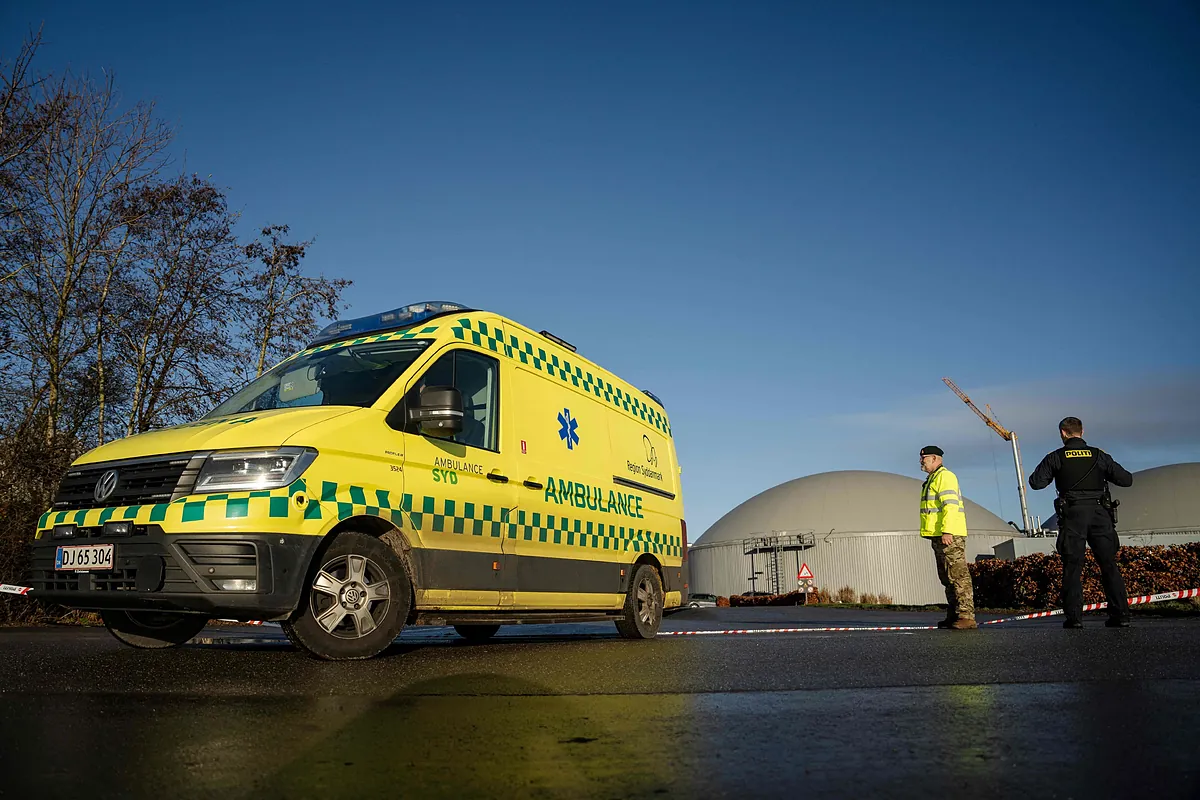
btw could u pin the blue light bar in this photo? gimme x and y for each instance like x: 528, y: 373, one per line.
x: 392, y: 320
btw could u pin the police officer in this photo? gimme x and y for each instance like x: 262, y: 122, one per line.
x: 1086, y: 516
x: 944, y: 524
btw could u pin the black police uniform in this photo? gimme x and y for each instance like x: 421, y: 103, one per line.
x: 1080, y: 475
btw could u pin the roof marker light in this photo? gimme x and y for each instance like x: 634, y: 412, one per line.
x: 558, y: 341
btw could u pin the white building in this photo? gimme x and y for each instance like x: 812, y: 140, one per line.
x: 853, y: 528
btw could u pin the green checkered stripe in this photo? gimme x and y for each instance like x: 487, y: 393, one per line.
x: 491, y: 337
x: 440, y: 515
x: 425, y: 514
x: 379, y: 337
x: 196, y: 508
x: 551, y: 528
x: 342, y: 501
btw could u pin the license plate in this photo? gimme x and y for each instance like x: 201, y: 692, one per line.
x: 84, y: 557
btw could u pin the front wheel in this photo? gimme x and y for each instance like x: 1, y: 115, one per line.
x: 643, y: 605
x: 153, y: 630
x: 356, y: 602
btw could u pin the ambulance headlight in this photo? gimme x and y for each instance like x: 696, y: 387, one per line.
x: 250, y: 470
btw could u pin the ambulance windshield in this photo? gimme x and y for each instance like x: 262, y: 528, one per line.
x: 351, y: 375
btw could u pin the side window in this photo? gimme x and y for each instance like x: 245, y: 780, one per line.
x: 477, y: 377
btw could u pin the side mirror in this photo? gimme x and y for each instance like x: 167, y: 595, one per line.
x: 439, y: 411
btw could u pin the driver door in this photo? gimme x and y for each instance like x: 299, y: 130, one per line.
x: 458, y: 494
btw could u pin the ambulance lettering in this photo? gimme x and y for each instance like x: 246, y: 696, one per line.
x: 593, y: 498
x: 457, y: 466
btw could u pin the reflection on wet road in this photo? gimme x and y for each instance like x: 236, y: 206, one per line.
x: 572, y: 711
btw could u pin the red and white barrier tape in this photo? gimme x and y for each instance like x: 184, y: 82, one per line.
x: 1133, y: 601
x: 7, y: 588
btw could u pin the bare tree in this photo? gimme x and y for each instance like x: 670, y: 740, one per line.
x: 75, y: 177
x: 285, y: 305
x: 24, y: 120
x: 179, y: 312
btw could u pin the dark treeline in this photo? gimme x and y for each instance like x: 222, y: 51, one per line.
x: 127, y: 300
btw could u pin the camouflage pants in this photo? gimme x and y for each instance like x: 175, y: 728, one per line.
x: 954, y: 575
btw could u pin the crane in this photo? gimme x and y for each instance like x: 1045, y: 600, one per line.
x: 990, y: 420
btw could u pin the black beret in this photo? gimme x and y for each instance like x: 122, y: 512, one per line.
x: 932, y: 450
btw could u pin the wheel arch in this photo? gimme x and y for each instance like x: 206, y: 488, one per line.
x: 648, y: 558
x: 389, y: 534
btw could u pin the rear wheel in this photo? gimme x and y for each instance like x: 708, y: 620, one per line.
x: 153, y: 630
x: 476, y: 633
x: 356, y: 602
x: 643, y: 605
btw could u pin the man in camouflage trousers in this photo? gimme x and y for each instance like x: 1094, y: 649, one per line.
x: 944, y: 524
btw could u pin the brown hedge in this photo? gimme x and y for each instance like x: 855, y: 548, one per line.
x: 789, y: 599
x: 1035, y: 581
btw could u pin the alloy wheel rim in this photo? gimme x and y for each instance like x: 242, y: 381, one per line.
x: 350, y: 596
x: 647, y: 601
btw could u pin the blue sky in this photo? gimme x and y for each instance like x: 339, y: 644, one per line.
x: 788, y: 220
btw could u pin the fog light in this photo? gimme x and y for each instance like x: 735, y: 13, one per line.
x: 118, y: 529
x: 64, y: 531
x: 237, y: 585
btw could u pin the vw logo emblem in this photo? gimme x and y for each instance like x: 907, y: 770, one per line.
x: 105, y: 486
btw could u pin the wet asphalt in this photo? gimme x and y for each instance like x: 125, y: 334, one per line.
x: 1021, y: 708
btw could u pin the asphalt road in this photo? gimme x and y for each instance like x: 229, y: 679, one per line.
x: 572, y: 711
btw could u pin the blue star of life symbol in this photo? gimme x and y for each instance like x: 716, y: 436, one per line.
x: 567, y: 431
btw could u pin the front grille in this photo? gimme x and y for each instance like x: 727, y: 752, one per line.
x: 139, y: 482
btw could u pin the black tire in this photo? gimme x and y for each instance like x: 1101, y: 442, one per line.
x: 153, y: 630
x: 355, y: 603
x: 476, y: 633
x: 693, y: 605
x: 643, y: 605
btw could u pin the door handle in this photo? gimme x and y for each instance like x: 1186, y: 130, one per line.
x: 530, y: 483
x: 494, y: 475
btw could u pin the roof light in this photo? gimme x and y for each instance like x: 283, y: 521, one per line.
x: 653, y: 397
x: 392, y: 320
x: 558, y: 341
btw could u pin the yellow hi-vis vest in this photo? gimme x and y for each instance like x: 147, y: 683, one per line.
x: 942, y: 507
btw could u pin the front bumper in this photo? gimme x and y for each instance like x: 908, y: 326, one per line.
x: 178, y: 572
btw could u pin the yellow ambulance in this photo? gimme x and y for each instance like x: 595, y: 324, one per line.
x: 431, y: 465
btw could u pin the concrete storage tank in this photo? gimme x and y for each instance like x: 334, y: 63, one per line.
x: 1161, y: 508
x: 1161, y: 500
x: 852, y: 528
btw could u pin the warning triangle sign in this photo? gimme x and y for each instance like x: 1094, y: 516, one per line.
x: 804, y: 574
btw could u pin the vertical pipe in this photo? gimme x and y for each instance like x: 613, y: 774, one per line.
x: 1021, y: 485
